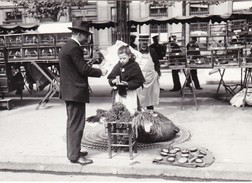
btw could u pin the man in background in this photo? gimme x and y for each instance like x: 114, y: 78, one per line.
x: 132, y: 42
x: 159, y: 48
x: 174, y: 48
x: 193, y: 52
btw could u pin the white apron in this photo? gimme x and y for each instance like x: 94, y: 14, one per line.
x: 149, y: 94
x: 130, y: 100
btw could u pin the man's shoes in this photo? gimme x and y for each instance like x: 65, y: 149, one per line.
x: 175, y: 89
x: 83, y: 153
x: 199, y: 88
x: 82, y: 161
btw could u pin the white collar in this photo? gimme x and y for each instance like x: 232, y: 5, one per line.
x: 75, y: 40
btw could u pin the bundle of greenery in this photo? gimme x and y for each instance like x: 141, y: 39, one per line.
x: 118, y: 112
x: 152, y: 126
x: 97, y: 118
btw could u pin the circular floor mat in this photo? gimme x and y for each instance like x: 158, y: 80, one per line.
x: 95, y: 137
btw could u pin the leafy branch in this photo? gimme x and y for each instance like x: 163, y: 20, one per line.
x: 48, y: 9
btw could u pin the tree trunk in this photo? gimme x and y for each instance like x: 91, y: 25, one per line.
x: 122, y: 19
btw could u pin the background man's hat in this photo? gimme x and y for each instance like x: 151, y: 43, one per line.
x: 194, y: 38
x: 155, y: 37
x: 81, y: 26
x: 133, y: 36
x: 144, y: 37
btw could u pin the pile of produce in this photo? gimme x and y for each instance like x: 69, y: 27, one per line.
x: 149, y: 126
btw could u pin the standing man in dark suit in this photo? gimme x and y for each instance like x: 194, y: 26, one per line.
x: 194, y: 52
x: 74, y: 88
x: 159, y: 48
x: 175, y: 48
x: 132, y: 41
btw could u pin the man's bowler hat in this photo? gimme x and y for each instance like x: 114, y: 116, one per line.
x: 80, y: 26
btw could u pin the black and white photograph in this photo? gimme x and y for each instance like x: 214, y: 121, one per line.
x: 126, y: 90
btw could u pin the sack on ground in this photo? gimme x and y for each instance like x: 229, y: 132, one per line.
x: 237, y: 99
x: 248, y: 99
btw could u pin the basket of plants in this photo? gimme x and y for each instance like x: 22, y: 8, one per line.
x: 185, y: 157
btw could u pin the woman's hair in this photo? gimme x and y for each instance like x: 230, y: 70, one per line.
x: 126, y: 49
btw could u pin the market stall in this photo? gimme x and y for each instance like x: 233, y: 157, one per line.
x: 226, y: 45
x: 30, y: 52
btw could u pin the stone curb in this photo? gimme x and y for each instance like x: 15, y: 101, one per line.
x: 137, y: 170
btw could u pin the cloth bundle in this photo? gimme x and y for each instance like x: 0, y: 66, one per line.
x: 237, y: 99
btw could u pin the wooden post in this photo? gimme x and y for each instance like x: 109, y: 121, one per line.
x: 122, y: 19
x: 184, y: 25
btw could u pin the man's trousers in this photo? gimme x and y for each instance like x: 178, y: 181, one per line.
x: 76, y: 112
x: 175, y: 79
x: 194, y: 78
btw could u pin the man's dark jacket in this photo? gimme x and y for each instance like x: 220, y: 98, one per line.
x: 160, y: 50
x: 74, y: 72
x: 154, y: 57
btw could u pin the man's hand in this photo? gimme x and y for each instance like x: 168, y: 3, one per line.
x: 104, y: 72
x: 114, y: 81
x: 90, y: 62
x: 124, y: 83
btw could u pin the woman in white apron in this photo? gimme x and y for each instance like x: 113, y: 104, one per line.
x: 149, y: 94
